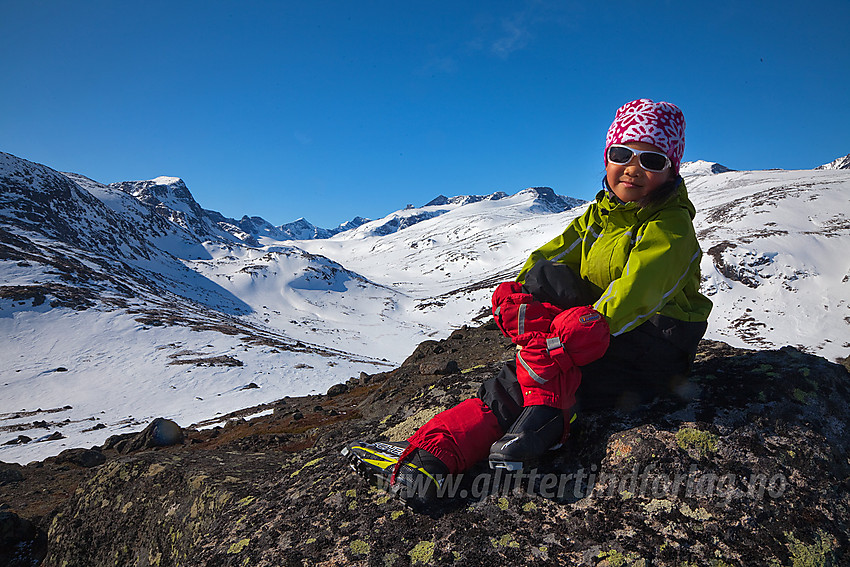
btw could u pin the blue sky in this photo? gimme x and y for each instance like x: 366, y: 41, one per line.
x: 327, y: 110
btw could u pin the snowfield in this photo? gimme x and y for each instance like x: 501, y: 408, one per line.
x: 131, y: 302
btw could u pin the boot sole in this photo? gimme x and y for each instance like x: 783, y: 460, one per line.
x: 374, y: 463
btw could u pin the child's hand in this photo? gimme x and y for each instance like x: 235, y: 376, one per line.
x: 503, y: 290
x: 584, y: 334
x: 519, y: 314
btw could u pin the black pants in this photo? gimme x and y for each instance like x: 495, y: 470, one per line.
x: 648, y: 361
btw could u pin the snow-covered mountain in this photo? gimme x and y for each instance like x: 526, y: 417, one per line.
x: 123, y: 302
x: 170, y: 199
x: 257, y: 229
x: 700, y: 167
x: 840, y: 163
x: 775, y: 258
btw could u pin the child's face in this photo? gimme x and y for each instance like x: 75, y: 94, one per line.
x: 631, y: 182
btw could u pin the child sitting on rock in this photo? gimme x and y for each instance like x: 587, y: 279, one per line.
x: 607, y: 314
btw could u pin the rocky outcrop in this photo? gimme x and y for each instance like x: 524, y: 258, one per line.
x: 744, y: 463
x: 839, y: 163
x: 37, y: 200
x: 171, y: 199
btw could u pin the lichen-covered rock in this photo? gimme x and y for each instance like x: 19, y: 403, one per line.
x: 81, y: 457
x: 745, y: 465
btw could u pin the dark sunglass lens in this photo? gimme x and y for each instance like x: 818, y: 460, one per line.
x: 617, y: 154
x: 653, y: 161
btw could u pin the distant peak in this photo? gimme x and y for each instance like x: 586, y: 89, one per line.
x: 166, y: 180
x: 549, y: 200
x: 349, y: 225
x: 702, y: 167
x: 543, y: 194
x: 442, y: 200
x: 840, y: 163
x: 439, y: 200
x: 300, y: 224
x: 546, y: 192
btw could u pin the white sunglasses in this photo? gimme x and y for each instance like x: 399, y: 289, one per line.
x: 648, y: 159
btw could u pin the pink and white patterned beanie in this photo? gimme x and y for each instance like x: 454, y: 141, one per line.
x: 661, y: 124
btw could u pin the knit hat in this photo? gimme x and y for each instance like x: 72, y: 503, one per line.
x: 661, y: 124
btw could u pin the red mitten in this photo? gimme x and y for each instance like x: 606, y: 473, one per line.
x: 503, y: 290
x: 520, y: 314
x: 584, y: 333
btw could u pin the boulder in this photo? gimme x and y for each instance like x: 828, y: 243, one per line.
x: 21, y: 542
x: 337, y: 389
x: 86, y: 458
x: 160, y: 432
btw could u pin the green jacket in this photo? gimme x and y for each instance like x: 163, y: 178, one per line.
x: 637, y: 261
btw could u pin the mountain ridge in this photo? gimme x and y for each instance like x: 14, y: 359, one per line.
x: 839, y: 163
x: 173, y: 201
